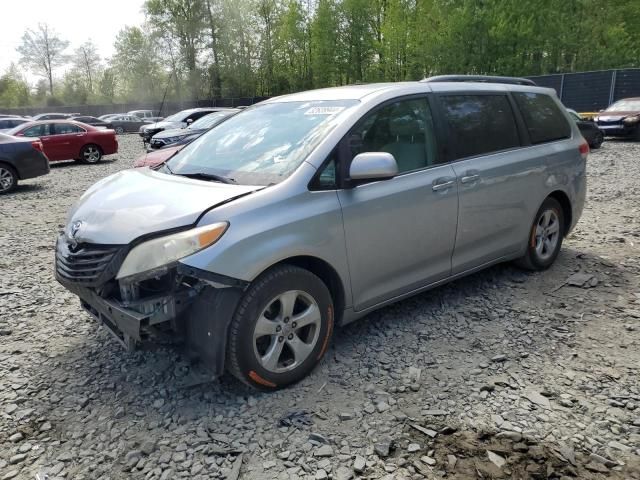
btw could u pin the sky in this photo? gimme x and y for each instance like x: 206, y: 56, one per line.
x: 74, y: 20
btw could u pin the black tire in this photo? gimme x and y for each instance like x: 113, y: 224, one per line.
x: 597, y: 142
x: 90, y: 153
x: 243, y: 354
x: 119, y: 130
x: 8, y: 178
x: 533, y: 258
x: 636, y: 134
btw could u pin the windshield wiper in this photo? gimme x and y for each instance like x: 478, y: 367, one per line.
x: 208, y: 177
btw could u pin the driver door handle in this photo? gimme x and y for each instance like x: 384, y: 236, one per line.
x: 470, y: 178
x: 442, y: 184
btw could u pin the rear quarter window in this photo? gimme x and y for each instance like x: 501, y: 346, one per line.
x: 543, y: 118
x: 480, y: 124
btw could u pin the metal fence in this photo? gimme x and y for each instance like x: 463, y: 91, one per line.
x: 593, y: 91
x: 167, y: 108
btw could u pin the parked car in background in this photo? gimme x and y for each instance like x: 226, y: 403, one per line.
x: 149, y: 115
x: 621, y: 119
x: 156, y: 157
x: 6, y: 115
x: 193, y: 131
x: 311, y: 210
x: 20, y: 159
x: 105, y: 117
x: 589, y: 130
x: 69, y: 140
x: 126, y: 123
x: 53, y: 116
x: 7, y: 123
x: 93, y: 121
x: 178, y: 120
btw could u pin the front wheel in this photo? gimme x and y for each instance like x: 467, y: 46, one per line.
x: 119, y: 130
x: 8, y: 179
x: 281, y: 329
x: 90, y: 154
x: 545, y: 237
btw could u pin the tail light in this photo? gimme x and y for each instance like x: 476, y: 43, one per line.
x: 584, y: 150
x: 37, y: 144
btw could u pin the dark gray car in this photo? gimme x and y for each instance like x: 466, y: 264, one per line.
x: 20, y: 159
x: 181, y: 119
x: 194, y: 130
x: 126, y: 123
x: 311, y: 210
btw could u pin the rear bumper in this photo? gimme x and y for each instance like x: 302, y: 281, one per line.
x: 32, y: 167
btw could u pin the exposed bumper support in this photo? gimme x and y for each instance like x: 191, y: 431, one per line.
x: 201, y: 314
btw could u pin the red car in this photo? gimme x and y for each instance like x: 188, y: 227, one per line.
x: 69, y: 140
x: 157, y: 157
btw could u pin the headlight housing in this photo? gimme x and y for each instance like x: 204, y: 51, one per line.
x: 159, y: 252
x: 631, y: 120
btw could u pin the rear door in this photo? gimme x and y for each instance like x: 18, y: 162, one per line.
x: 70, y: 139
x: 399, y: 232
x: 493, y: 173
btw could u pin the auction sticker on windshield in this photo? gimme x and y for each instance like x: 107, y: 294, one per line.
x: 324, y: 110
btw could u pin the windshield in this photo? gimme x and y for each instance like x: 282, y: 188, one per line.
x: 263, y: 144
x: 209, y: 121
x: 625, y: 106
x: 176, y: 117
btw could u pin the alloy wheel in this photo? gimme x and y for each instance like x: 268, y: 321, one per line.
x: 287, y: 331
x: 6, y: 179
x: 547, y: 234
x: 91, y: 154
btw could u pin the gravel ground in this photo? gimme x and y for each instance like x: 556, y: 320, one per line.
x: 504, y: 374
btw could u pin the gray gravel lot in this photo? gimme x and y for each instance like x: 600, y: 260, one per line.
x: 504, y: 374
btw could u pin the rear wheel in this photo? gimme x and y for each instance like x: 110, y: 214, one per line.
x: 281, y: 328
x: 545, y: 237
x: 8, y: 178
x: 90, y: 154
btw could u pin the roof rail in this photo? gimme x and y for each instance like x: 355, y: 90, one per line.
x: 481, y: 78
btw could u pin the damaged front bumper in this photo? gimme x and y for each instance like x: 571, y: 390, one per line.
x: 188, y: 304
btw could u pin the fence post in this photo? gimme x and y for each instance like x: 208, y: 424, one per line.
x: 561, y: 87
x: 613, y: 86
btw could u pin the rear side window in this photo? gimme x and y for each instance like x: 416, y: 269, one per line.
x: 480, y: 124
x: 65, y: 128
x: 543, y: 118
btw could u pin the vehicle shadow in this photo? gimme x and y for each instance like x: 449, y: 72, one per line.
x: 23, y: 188
x: 74, y: 163
x: 141, y: 377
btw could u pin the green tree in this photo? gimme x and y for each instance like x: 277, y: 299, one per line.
x: 324, y: 48
x: 86, y: 62
x: 137, y: 66
x: 43, y: 51
x: 14, y: 90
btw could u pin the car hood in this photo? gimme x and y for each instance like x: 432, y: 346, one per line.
x: 132, y: 203
x: 173, y: 132
x: 615, y: 115
x: 162, y: 125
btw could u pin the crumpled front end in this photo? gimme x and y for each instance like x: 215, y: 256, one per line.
x: 178, y: 302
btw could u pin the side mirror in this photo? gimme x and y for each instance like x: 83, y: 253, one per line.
x: 189, y: 121
x: 373, y: 166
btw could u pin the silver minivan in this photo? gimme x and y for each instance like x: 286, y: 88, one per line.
x: 313, y: 209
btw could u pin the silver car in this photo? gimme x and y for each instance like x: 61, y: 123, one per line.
x: 311, y: 210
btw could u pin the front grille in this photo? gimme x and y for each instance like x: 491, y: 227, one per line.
x: 87, y: 264
x: 610, y: 122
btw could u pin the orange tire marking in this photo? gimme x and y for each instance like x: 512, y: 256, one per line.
x: 329, y: 330
x: 261, y: 381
